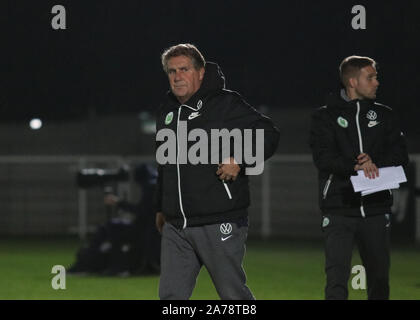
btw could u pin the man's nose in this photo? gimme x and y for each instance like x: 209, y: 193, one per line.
x: 177, y: 75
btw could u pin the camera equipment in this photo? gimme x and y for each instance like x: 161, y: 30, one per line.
x: 92, y: 177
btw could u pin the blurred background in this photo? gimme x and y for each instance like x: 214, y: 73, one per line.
x: 85, y: 97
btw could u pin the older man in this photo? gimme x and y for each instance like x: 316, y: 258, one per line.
x: 202, y: 208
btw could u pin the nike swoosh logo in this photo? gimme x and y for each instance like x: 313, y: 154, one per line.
x: 372, y: 124
x: 224, y: 239
x: 193, y: 115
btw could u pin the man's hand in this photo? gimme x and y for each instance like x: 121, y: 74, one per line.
x: 228, y: 170
x: 362, y: 158
x: 364, y: 162
x: 160, y: 221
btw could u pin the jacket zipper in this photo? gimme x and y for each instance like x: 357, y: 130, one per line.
x: 359, y: 133
x: 199, y: 104
x: 327, y: 186
x: 177, y: 170
x: 227, y: 190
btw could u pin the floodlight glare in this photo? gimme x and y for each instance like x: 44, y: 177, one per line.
x: 35, y: 124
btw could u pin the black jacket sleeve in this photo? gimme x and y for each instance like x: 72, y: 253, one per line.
x: 395, y: 151
x: 325, y: 151
x: 242, y: 116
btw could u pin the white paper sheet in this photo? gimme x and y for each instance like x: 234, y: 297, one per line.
x: 389, y: 178
x: 385, y: 187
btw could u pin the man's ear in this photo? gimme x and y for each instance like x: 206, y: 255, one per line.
x: 352, y: 82
x: 201, y: 74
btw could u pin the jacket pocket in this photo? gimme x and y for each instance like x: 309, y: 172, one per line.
x: 327, y: 186
x: 229, y: 194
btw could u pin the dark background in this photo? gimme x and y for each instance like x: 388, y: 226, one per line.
x: 91, y: 82
x: 280, y: 54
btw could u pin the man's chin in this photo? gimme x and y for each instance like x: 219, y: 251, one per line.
x: 182, y: 98
x: 371, y: 96
x: 179, y: 94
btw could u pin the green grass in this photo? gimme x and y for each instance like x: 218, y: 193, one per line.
x: 276, y: 270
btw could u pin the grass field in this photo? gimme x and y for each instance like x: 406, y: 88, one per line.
x: 280, y: 270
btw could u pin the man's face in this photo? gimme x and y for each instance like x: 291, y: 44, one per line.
x: 184, y: 79
x: 366, y: 83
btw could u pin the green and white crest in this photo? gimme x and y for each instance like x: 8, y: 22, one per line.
x: 325, y: 222
x: 342, y: 122
x: 169, y: 118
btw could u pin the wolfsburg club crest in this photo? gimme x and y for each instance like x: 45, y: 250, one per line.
x: 342, y: 122
x: 169, y: 118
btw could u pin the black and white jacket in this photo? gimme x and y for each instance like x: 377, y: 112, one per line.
x: 342, y: 130
x: 191, y: 195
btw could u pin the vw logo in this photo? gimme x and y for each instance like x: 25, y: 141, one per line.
x: 225, y: 228
x: 371, y: 115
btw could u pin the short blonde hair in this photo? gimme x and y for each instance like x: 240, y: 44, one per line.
x: 350, y: 67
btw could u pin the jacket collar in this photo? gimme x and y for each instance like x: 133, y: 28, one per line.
x: 342, y: 100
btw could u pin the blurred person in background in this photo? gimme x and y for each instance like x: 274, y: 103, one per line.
x: 129, y: 243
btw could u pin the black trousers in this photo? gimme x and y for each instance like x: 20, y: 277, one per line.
x: 371, y: 235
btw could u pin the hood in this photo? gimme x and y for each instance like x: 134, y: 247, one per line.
x: 213, y: 82
x: 340, y: 99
